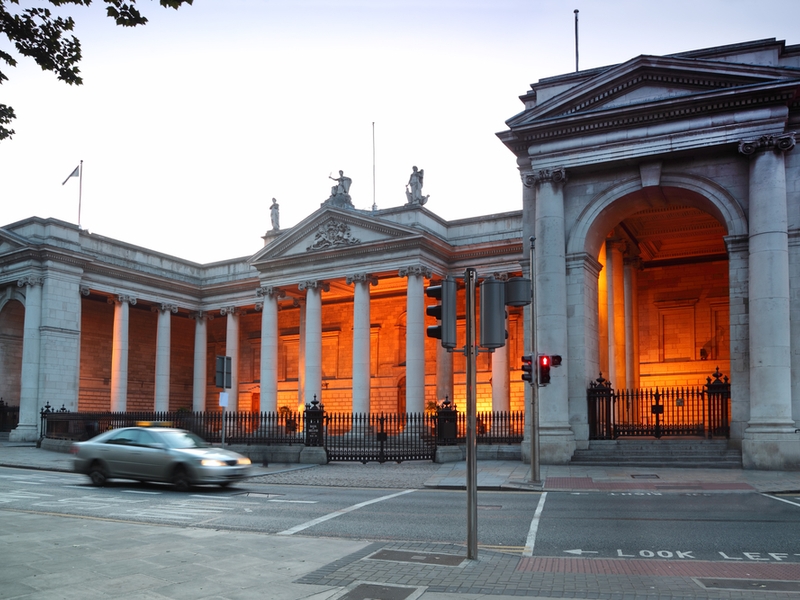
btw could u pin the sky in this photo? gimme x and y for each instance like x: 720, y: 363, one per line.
x: 189, y: 126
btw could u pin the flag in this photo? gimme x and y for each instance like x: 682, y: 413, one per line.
x: 74, y: 173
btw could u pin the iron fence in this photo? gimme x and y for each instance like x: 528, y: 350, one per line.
x: 9, y: 416
x: 346, y: 436
x: 678, y: 411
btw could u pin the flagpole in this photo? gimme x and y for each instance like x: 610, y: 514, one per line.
x: 80, y: 192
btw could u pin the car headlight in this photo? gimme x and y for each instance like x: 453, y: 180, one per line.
x: 243, y: 461
x: 212, y: 462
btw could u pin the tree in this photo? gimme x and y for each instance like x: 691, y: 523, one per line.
x: 39, y: 34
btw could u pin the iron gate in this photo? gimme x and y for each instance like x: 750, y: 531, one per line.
x: 380, y: 437
x: 680, y: 411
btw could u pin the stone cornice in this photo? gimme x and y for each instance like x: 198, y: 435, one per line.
x: 570, y: 124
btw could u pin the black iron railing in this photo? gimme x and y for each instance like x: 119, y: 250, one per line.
x: 9, y: 416
x: 678, y: 411
x: 345, y: 436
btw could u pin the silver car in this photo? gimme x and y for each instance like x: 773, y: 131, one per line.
x: 158, y: 454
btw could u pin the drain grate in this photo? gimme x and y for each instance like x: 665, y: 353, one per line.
x: 373, y: 591
x: 645, y: 476
x: 448, y: 560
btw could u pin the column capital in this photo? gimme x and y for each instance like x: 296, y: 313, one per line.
x: 361, y: 278
x: 229, y: 310
x: 123, y: 298
x: 528, y: 178
x: 30, y: 280
x: 271, y: 291
x: 557, y: 175
x: 415, y: 271
x: 200, y: 315
x: 164, y: 307
x: 315, y: 284
x: 85, y: 290
x: 777, y: 143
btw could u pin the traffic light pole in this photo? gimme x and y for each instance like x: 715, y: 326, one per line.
x: 535, y: 463
x: 470, y: 352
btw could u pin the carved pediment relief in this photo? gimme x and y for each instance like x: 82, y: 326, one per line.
x: 332, y: 229
x: 332, y: 234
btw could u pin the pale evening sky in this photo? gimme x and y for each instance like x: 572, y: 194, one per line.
x: 189, y: 125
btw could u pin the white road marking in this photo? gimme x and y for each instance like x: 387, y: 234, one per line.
x: 295, y: 501
x: 339, y: 513
x: 531, y: 541
x: 781, y: 499
x: 141, y: 492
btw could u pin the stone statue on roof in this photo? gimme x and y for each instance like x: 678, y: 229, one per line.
x: 340, y: 193
x: 414, y: 187
x: 274, y: 215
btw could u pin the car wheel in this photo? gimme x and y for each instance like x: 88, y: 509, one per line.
x: 97, y: 474
x: 180, y: 479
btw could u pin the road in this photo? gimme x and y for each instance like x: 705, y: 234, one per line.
x: 736, y: 528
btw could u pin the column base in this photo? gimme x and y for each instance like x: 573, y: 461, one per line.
x: 771, y: 448
x: 556, y: 446
x: 24, y: 433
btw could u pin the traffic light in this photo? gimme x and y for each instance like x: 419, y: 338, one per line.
x: 445, y: 312
x: 493, y: 313
x: 545, y: 362
x: 556, y: 360
x: 527, y: 368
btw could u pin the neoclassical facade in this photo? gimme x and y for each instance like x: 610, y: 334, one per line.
x: 663, y: 194
x: 332, y: 309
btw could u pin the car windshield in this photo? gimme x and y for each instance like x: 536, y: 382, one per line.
x: 183, y: 439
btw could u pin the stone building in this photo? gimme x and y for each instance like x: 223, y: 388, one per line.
x: 664, y: 197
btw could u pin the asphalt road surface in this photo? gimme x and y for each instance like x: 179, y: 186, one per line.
x: 727, y: 527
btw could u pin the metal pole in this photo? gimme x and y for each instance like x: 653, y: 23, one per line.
x: 576, y: 40
x: 535, y: 474
x: 472, y: 397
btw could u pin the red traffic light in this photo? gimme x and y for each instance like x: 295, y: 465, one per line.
x: 544, y: 369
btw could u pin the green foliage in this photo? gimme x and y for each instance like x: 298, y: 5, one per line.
x: 37, y: 33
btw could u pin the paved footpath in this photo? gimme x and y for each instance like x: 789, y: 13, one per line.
x: 48, y: 556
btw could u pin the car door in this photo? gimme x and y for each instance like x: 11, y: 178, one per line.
x: 116, y: 453
x: 148, y: 458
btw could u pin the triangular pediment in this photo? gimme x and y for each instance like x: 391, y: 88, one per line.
x: 332, y: 230
x: 10, y: 241
x: 647, y: 80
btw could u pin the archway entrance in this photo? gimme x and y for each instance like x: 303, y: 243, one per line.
x: 663, y: 309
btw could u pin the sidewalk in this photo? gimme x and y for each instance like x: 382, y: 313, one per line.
x: 492, y: 475
x: 47, y: 556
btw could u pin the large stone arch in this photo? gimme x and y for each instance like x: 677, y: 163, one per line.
x: 12, y: 321
x: 585, y: 239
x: 604, y: 211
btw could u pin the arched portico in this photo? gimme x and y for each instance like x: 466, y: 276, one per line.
x: 624, y: 287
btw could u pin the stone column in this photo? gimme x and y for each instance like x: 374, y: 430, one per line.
x: 501, y: 398
x: 415, y: 337
x: 28, y: 427
x: 583, y: 273
x: 200, y: 380
x: 361, y: 341
x: 232, y: 349
x: 301, y: 356
x: 556, y: 439
x: 630, y: 270
x: 313, y: 338
x: 163, y: 344
x: 269, y: 347
x: 738, y: 278
x: 119, y: 352
x: 444, y: 374
x: 769, y: 441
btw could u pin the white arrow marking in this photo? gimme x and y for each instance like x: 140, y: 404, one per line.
x: 579, y: 551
